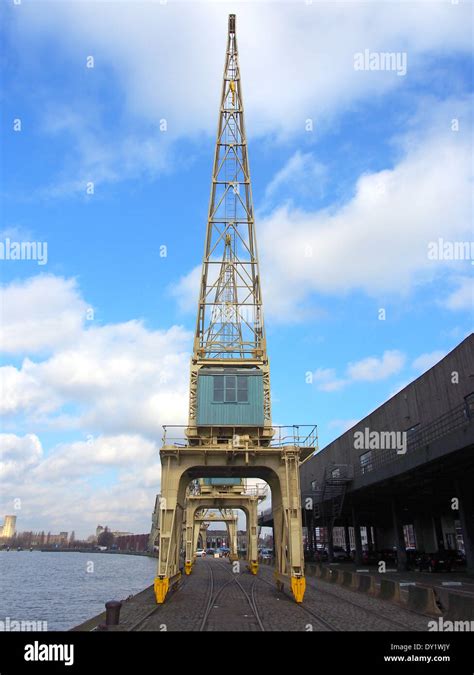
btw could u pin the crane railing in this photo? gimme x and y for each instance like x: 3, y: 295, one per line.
x: 299, y: 435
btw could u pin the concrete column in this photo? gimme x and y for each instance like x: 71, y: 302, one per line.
x: 330, y: 543
x: 466, y: 516
x: 357, y: 538
x: 399, y: 537
x: 449, y: 530
x: 347, y: 539
x: 370, y: 541
x: 424, y: 533
x: 375, y: 539
x: 439, y: 533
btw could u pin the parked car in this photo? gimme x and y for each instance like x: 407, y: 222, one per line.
x: 434, y: 562
x: 200, y: 552
x: 266, y: 554
x: 339, y: 553
x: 388, y: 555
x: 371, y: 557
x: 457, y: 558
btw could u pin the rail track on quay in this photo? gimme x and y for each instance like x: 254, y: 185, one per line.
x: 219, y: 597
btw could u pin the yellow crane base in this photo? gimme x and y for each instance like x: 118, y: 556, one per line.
x: 253, y: 567
x: 298, y: 587
x: 161, y: 587
x: 188, y: 566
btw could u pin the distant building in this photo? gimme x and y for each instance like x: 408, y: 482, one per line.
x: 132, y: 542
x: 8, y: 528
x: 60, y: 539
x: 117, y: 534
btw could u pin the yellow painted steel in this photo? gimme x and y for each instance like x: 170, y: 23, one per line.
x: 224, y: 340
x: 253, y: 567
x: 161, y: 587
x: 298, y: 587
x: 188, y: 566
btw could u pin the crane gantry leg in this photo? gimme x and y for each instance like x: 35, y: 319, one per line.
x: 278, y: 466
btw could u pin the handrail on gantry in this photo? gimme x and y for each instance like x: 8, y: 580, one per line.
x: 300, y: 435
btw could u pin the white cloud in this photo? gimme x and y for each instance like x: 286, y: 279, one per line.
x: 186, y: 290
x: 426, y: 361
x: 160, y: 74
x: 373, y: 368
x: 73, y: 460
x: 41, y: 313
x: 377, y: 241
x: 114, y: 384
x: 326, y: 377
x: 462, y: 298
x: 119, y: 378
x: 72, y: 487
x: 369, y: 369
x: 18, y: 455
x: 302, y: 175
x: 21, y: 392
x: 99, y: 156
x: 323, y: 374
x: 161, y: 56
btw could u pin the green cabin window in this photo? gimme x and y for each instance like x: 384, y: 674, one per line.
x: 230, y: 389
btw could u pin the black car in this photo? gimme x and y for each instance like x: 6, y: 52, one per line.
x: 434, y: 562
x: 412, y: 556
x: 371, y: 557
x: 388, y: 555
x: 457, y: 558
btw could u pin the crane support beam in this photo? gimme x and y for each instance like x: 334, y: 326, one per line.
x: 278, y: 466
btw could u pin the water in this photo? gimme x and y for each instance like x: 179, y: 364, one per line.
x: 59, y: 589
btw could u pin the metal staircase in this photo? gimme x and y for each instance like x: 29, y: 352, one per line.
x: 328, y: 497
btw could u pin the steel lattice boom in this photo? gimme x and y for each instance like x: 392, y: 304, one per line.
x: 230, y: 321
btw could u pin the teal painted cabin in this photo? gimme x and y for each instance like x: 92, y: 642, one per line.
x: 230, y: 397
x: 222, y: 481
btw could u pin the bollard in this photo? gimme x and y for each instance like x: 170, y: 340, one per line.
x: 112, y: 612
x: 423, y: 600
x: 389, y: 590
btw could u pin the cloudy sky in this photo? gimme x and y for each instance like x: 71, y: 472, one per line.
x: 108, y: 125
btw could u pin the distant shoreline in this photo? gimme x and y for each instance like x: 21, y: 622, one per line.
x: 81, y: 550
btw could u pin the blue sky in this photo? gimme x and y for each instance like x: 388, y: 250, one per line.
x: 96, y: 342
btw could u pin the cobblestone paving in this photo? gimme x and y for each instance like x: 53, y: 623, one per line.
x: 231, y: 610
x: 352, y: 611
x: 336, y: 608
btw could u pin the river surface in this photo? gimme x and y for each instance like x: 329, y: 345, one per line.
x: 65, y: 589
